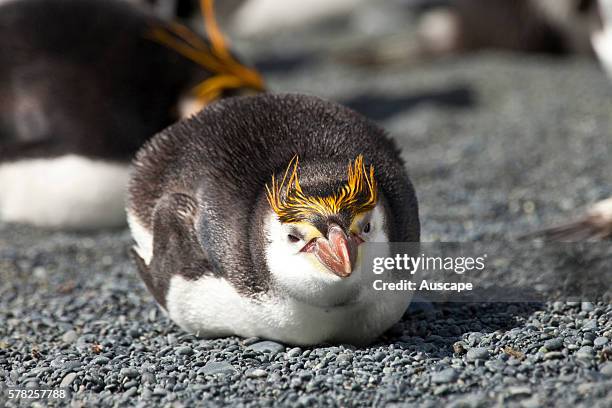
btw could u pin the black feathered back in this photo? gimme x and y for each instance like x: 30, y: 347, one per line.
x: 81, y: 76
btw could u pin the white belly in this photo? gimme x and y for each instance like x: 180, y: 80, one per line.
x: 64, y: 192
x: 211, y: 307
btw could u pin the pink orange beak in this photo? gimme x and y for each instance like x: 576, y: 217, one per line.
x: 338, y: 252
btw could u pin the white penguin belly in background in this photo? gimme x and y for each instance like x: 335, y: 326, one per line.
x: 67, y: 133
x: 67, y: 191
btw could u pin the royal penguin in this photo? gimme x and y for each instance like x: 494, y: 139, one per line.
x: 83, y: 84
x: 448, y: 27
x: 249, y: 219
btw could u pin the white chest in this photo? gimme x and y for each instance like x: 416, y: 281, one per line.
x: 211, y: 307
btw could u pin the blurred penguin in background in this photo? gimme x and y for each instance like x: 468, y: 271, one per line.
x: 448, y: 27
x: 83, y: 84
x: 596, y: 223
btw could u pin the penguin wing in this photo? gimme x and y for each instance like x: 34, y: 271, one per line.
x: 595, y: 225
x: 176, y: 249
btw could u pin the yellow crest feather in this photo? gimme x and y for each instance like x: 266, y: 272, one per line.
x: 227, y: 72
x: 288, y: 201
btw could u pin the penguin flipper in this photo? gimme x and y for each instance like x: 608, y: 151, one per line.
x: 584, y: 229
x: 596, y: 225
x: 176, y: 249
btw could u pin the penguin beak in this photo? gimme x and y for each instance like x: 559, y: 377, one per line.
x: 338, y: 252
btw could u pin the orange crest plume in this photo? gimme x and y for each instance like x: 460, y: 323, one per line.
x: 227, y: 72
x: 358, y: 195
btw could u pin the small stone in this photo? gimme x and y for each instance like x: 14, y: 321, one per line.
x: 69, y: 337
x: 250, y: 340
x: 344, y: 358
x: 267, y: 347
x: 606, y: 369
x: 39, y: 272
x: 589, y: 325
x: 585, y: 353
x: 68, y: 380
x: 533, y: 402
x: 217, y: 367
x: 459, y: 347
x: 586, y: 306
x: 600, y: 341
x: 294, y: 352
x: 71, y: 365
x: 445, y: 376
x: 183, y: 351
x: 256, y: 373
x: 558, y: 306
x: 129, y: 372
x: 474, y: 338
x: 379, y: 356
x: 477, y: 353
x: 518, y: 390
x: 101, y: 360
x: 130, y: 393
x: 554, y: 344
x: 441, y: 390
x: 553, y: 355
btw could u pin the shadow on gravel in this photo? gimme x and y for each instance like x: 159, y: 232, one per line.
x: 433, y: 328
x: 383, y: 106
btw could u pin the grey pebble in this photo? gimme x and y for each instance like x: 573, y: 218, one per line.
x: 294, y: 352
x: 183, y: 351
x: 129, y: 372
x: 590, y: 325
x: 250, y: 340
x: 587, y: 306
x: 600, y: 341
x: 69, y: 337
x: 554, y: 344
x: 553, y: 355
x: 477, y: 353
x: 100, y: 360
x: 585, y: 352
x: 267, y: 347
x: 256, y: 373
x: 519, y: 390
x: 447, y: 375
x: 217, y: 367
x: 68, y: 380
x: 606, y: 369
x: 344, y: 358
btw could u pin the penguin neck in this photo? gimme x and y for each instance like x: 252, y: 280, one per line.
x: 257, y: 240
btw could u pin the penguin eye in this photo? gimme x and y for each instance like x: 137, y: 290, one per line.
x: 293, y: 238
x: 366, y: 229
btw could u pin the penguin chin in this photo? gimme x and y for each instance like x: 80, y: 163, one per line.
x: 301, y: 276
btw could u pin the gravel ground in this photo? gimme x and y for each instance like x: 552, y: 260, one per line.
x: 497, y: 145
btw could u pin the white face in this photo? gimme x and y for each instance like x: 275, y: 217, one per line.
x: 302, y: 274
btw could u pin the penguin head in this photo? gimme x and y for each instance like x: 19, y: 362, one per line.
x: 314, y: 239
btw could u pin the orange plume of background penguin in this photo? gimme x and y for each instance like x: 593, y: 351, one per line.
x: 250, y: 217
x: 83, y: 84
